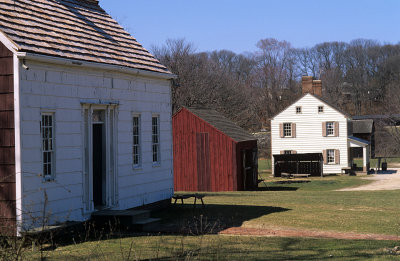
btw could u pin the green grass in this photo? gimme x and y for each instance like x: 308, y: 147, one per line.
x: 264, y: 164
x: 213, y: 247
x: 373, y: 162
x: 310, y: 206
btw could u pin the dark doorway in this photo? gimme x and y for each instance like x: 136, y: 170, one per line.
x: 249, y: 173
x: 98, y: 161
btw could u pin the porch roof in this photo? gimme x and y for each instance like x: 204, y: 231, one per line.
x: 357, y: 142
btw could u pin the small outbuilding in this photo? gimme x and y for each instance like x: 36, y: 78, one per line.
x: 211, y: 153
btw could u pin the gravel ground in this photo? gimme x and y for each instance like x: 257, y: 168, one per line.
x: 384, y: 180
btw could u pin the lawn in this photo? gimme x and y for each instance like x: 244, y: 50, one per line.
x: 313, y: 205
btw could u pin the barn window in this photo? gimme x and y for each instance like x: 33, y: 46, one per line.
x: 320, y: 109
x: 136, y: 141
x: 298, y: 110
x: 287, y: 130
x: 47, y: 132
x: 330, y: 128
x: 330, y: 156
x: 156, y: 139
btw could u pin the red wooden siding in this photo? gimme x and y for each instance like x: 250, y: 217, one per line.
x: 7, y: 143
x: 204, y: 158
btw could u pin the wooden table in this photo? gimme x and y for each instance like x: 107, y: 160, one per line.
x: 186, y: 196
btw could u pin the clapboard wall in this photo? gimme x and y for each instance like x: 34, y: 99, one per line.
x: 309, y: 137
x: 61, y: 89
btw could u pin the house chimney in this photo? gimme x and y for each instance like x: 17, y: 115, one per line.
x: 307, y: 84
x: 317, y: 87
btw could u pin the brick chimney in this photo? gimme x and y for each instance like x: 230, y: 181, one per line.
x: 308, y: 85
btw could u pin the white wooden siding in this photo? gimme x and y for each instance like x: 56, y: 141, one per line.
x: 61, y: 90
x: 309, y: 138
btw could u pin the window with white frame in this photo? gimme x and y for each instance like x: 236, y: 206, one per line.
x: 330, y: 154
x: 320, y: 109
x: 136, y: 141
x: 47, y: 131
x: 287, y: 130
x: 298, y: 110
x: 330, y: 128
x: 287, y: 152
x: 155, y: 122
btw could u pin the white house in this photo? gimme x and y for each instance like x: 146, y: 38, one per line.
x: 85, y: 115
x: 312, y: 125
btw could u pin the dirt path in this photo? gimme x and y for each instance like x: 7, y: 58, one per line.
x: 384, y: 180
x: 274, y: 232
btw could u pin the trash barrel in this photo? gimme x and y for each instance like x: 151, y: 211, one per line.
x: 384, y: 166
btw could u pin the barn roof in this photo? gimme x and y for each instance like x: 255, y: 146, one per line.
x: 73, y: 29
x: 363, y: 126
x: 222, y: 123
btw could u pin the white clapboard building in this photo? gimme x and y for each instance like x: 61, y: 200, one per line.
x: 86, y: 123
x: 313, y: 125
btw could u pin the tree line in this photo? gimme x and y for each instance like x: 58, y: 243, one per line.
x: 360, y: 77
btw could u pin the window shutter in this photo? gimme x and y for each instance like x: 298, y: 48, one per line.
x: 336, y: 129
x: 281, y: 129
x: 337, y: 157
x: 325, y: 157
x: 323, y: 129
x: 294, y: 130
x: 294, y: 152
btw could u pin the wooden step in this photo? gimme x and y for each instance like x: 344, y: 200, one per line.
x: 147, y: 224
x: 124, y: 217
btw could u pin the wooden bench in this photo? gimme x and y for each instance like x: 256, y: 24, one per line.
x: 345, y: 170
x: 186, y: 196
x: 288, y: 175
x: 300, y: 175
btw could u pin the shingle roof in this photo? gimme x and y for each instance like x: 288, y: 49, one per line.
x: 363, y: 126
x: 222, y: 123
x: 73, y: 29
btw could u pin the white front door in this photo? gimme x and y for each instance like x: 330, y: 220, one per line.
x: 99, y: 157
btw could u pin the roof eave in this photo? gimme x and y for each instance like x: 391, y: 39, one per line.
x: 93, y: 65
x: 8, y: 42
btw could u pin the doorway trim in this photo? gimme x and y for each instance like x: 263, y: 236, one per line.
x: 110, y: 194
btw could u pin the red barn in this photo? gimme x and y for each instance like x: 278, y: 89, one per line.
x: 211, y: 153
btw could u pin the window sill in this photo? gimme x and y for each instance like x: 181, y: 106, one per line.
x: 137, y: 168
x: 48, y: 179
x: 156, y: 165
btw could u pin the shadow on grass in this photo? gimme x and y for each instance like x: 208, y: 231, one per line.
x: 277, y: 188
x: 213, y: 218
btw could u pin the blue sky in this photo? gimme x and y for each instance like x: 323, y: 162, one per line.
x: 237, y: 25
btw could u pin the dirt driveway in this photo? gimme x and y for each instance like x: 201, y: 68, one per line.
x: 384, y: 180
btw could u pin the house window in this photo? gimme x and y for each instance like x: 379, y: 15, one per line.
x: 156, y: 139
x: 47, y: 131
x: 136, y: 141
x: 298, y: 109
x: 330, y: 128
x: 287, y: 130
x: 330, y: 154
x: 287, y: 152
x: 320, y: 109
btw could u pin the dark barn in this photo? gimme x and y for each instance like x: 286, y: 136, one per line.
x: 211, y: 153
x: 306, y: 163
